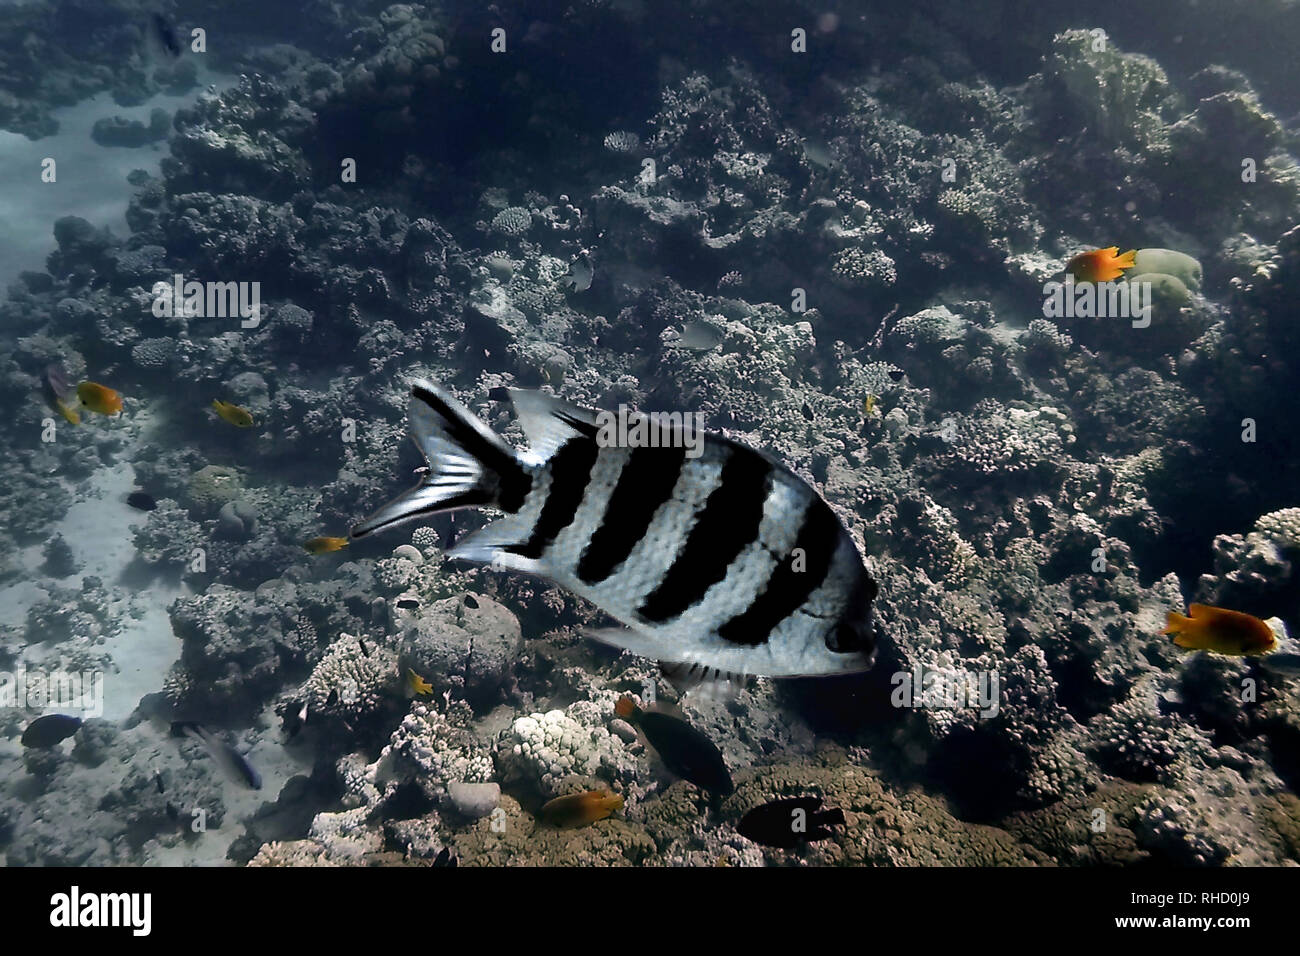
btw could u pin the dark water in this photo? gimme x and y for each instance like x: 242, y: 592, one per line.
x: 844, y: 235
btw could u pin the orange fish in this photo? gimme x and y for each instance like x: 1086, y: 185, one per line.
x: 67, y: 412
x: 323, y: 544
x: 580, y: 809
x: 1217, y: 629
x: 1100, y: 265
x: 99, y: 398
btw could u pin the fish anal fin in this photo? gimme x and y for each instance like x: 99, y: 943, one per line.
x: 701, y: 680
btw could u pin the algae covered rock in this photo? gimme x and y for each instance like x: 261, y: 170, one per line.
x: 213, y: 486
x: 1170, y: 263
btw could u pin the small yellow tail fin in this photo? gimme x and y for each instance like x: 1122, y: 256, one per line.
x: 1175, y: 623
x: 1128, y: 260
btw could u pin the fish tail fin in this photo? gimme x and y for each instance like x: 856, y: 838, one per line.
x: 1175, y: 622
x: 1128, y: 260
x: 1186, y: 635
x: 469, y: 465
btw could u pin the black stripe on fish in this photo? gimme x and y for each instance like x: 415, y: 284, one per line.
x: 570, y: 472
x: 646, y: 482
x: 787, y: 588
x: 728, y: 522
x: 512, y: 481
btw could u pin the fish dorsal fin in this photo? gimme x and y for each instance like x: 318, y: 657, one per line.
x: 549, y: 422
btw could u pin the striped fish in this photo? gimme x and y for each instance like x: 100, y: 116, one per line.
x: 721, y: 563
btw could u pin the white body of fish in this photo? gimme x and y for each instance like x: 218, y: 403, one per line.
x: 722, y: 564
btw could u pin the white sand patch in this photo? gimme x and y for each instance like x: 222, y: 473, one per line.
x: 91, y: 178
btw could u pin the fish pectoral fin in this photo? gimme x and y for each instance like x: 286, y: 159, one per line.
x: 549, y: 422
x: 491, y: 545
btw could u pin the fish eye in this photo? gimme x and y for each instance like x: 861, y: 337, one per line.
x: 850, y: 637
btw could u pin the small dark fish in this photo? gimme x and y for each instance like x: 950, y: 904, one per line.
x: 50, y: 730
x: 333, y: 698
x: 444, y: 858
x: 580, y: 273
x: 698, y: 336
x: 234, y: 764
x: 787, y: 822
x: 165, y: 34
x: 896, y: 374
x: 157, y: 779
x: 684, y: 750
x: 141, y: 501
x: 295, y: 718
x: 362, y: 644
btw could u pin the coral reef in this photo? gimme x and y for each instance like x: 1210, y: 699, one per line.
x: 844, y: 266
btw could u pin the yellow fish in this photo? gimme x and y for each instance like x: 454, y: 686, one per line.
x: 239, y: 417
x: 1207, y: 628
x: 67, y: 412
x: 324, y: 544
x: 580, y: 809
x: 868, y: 405
x: 1101, y: 265
x: 98, y: 398
x: 418, y: 685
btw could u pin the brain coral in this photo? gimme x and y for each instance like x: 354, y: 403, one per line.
x: 212, y: 486
x: 153, y: 353
x: 539, y: 750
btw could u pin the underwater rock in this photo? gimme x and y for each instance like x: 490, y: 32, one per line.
x: 469, y: 643
x: 117, y: 131
x: 213, y: 486
x: 59, y: 559
x: 474, y: 800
